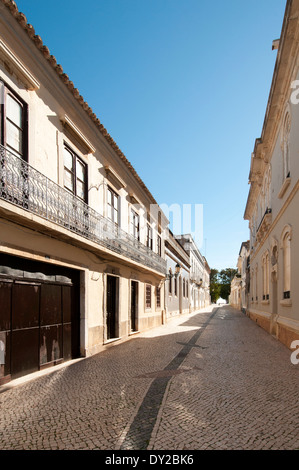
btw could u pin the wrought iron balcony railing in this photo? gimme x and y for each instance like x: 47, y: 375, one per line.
x: 25, y: 187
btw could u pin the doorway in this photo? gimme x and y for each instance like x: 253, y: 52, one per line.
x: 134, y: 305
x: 111, y: 307
x: 39, y: 316
x: 273, y: 323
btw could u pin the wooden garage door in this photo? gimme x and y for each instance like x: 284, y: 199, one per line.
x: 39, y: 326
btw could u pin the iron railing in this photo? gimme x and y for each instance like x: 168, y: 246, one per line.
x: 25, y: 187
x: 267, y: 211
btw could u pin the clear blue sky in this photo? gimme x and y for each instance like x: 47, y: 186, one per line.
x: 181, y: 86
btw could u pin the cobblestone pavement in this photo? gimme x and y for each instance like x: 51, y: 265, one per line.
x: 209, y: 380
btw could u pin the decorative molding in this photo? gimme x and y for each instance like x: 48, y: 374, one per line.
x: 264, y: 226
x: 13, y: 64
x: 67, y: 122
x: 134, y: 199
x: 111, y: 173
x: 286, y: 229
x: 284, y: 187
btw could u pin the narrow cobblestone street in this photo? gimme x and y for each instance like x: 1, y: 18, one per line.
x: 208, y: 380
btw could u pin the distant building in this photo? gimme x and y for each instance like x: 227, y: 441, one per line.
x: 177, y: 284
x: 240, y: 283
x: 206, y: 284
x: 199, y: 273
x: 235, y: 292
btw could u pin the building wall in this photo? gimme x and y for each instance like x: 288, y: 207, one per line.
x: 176, y: 302
x: 235, y: 299
x: 94, y: 271
x: 199, y: 273
x: 58, y: 116
x: 272, y: 206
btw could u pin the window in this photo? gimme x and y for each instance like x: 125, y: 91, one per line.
x: 148, y: 296
x: 75, y: 174
x: 158, y: 297
x: 159, y: 245
x: 187, y: 288
x: 159, y: 222
x: 112, y: 205
x: 170, y: 283
x: 256, y: 283
x: 149, y: 236
x: 135, y: 225
x: 285, y: 146
x: 13, y: 122
x: 252, y: 284
x: 266, y: 278
x: 287, y: 266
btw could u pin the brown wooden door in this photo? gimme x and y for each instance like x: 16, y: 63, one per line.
x: 24, y: 328
x: 39, y: 326
x: 51, y: 322
x: 5, y: 328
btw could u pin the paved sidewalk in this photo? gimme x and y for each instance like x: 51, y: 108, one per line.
x: 209, y: 380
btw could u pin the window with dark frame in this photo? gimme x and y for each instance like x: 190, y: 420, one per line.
x: 159, y: 245
x: 112, y: 205
x: 158, y: 297
x: 286, y: 245
x: 75, y: 174
x: 135, y: 225
x: 184, y: 288
x: 148, y: 296
x: 149, y: 236
x: 13, y: 125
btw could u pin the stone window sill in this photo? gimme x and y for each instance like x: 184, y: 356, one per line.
x: 112, y: 340
x: 284, y: 187
x: 286, y: 302
x: 134, y: 332
x: 265, y: 302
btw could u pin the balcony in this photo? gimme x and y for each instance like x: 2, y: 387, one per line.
x: 264, y: 225
x: 196, y: 278
x: 25, y: 187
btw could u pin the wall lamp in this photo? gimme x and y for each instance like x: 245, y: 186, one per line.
x: 170, y: 275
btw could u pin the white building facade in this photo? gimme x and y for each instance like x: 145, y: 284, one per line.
x: 177, y: 283
x: 199, y: 273
x: 82, y: 238
x: 273, y: 200
x: 240, y: 284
